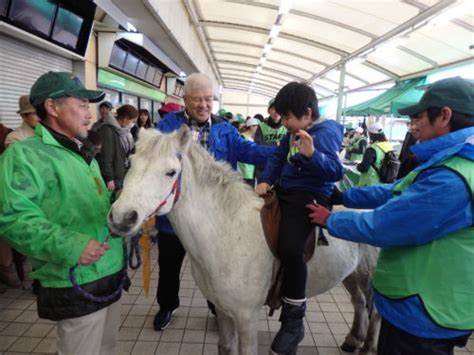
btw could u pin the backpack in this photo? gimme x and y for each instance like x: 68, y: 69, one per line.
x: 389, y: 169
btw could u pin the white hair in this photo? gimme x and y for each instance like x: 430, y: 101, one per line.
x: 197, y: 81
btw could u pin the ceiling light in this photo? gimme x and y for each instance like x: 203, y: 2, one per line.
x: 285, y: 6
x: 267, y: 48
x: 274, y: 31
x: 392, y: 44
x: 131, y: 28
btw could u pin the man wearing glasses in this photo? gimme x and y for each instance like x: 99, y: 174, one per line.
x: 223, y: 142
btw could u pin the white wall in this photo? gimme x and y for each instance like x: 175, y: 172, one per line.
x: 176, y: 19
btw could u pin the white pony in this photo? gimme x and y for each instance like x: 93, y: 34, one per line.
x: 217, y: 219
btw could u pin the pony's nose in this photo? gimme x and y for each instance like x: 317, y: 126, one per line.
x: 130, y: 218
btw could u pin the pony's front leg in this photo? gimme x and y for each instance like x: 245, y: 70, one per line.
x: 227, y: 334
x: 247, y: 329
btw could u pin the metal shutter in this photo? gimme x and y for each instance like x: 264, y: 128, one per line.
x: 20, y: 65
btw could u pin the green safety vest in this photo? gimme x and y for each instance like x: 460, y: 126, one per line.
x: 246, y: 170
x: 440, y: 272
x: 272, y: 135
x: 355, y: 145
x: 371, y: 176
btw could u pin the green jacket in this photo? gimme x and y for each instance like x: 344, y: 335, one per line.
x: 246, y: 170
x: 371, y: 176
x: 52, y: 203
x: 433, y: 270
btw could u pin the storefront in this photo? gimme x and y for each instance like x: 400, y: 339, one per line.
x: 120, y: 90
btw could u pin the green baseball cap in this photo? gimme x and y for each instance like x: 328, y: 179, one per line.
x: 456, y: 93
x: 54, y: 85
x: 240, y: 118
x: 221, y: 112
x: 271, y: 103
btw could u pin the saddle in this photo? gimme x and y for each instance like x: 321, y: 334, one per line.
x: 270, y: 217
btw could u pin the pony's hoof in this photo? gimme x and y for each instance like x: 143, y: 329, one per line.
x: 348, y: 348
x: 292, y: 352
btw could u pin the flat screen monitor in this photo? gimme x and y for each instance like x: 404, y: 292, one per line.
x: 150, y: 74
x: 131, y: 64
x: 158, y: 77
x: 141, y: 69
x: 67, y: 28
x: 34, y: 15
x: 117, y: 58
x: 3, y: 7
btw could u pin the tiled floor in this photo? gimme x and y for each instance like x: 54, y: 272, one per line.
x: 192, y: 331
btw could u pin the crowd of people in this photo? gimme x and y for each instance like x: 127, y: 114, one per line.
x: 58, y: 179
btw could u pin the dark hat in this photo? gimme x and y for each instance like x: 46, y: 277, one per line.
x: 54, y: 85
x: 170, y: 107
x: 455, y: 93
x: 271, y: 103
x: 107, y: 104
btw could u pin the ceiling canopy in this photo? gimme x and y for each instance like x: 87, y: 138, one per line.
x: 258, y: 46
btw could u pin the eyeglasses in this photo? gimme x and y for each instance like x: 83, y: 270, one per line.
x: 198, y: 100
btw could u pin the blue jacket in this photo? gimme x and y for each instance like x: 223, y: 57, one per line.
x: 225, y: 143
x: 316, y: 174
x: 436, y: 204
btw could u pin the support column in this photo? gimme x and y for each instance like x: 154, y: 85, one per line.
x: 340, y: 93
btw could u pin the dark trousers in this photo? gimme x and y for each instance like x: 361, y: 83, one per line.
x: 295, y: 228
x: 393, y: 341
x: 170, y: 258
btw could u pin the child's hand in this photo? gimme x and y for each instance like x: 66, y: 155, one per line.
x: 305, y: 143
x: 262, y: 189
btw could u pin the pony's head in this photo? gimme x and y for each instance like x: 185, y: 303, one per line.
x: 151, y: 186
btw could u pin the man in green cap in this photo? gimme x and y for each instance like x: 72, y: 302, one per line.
x: 272, y: 130
x: 54, y: 205
x: 424, y: 282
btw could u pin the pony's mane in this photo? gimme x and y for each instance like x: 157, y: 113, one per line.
x: 209, y: 170
x: 226, y: 183
x: 227, y: 186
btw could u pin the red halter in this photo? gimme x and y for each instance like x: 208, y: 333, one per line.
x: 176, y: 190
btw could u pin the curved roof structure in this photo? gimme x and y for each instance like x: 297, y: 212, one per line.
x: 258, y: 46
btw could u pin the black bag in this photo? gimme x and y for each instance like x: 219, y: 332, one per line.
x: 389, y: 169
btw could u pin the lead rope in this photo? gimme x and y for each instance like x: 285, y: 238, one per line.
x: 101, y: 299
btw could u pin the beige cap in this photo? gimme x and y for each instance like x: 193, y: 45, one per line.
x: 25, y: 105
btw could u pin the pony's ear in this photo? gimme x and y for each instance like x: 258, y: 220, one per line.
x: 184, y: 138
x: 144, y: 133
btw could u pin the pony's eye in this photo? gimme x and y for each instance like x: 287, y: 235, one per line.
x: 171, y: 173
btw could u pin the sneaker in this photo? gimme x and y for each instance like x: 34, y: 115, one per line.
x: 163, y: 319
x: 9, y: 276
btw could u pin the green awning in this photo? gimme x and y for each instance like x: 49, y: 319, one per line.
x: 404, y: 93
